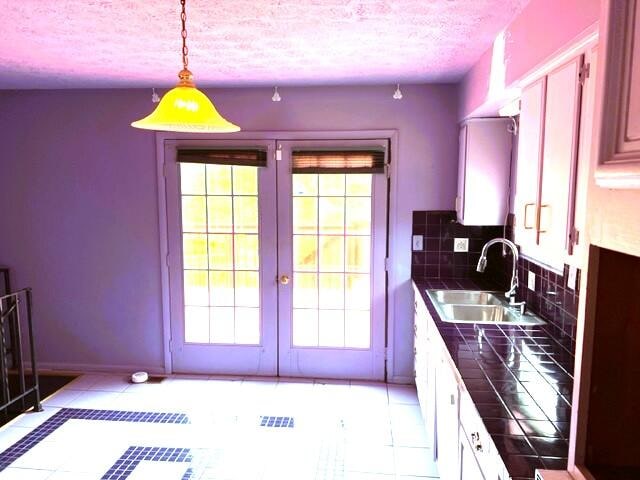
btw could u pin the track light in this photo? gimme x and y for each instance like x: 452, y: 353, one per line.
x: 397, y: 95
x: 276, y: 96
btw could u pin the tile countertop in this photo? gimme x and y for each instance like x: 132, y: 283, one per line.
x: 520, y: 379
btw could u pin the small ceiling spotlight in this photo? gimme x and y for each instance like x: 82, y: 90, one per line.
x: 276, y: 96
x: 155, y: 98
x: 397, y: 95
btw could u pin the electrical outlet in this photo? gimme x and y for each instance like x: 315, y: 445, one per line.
x: 418, y: 243
x: 531, y: 281
x: 572, y: 277
x: 460, y: 244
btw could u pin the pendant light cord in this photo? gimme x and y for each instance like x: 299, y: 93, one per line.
x: 185, y: 50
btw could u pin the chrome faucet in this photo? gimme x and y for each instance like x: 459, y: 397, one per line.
x: 482, y: 264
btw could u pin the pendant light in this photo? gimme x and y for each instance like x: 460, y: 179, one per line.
x: 185, y: 108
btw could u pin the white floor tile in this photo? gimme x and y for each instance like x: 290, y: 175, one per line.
x: 415, y: 461
x: 367, y: 459
x: 403, y: 394
x: 366, y: 430
x: 24, y: 474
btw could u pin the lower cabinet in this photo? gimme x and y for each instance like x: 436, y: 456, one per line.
x: 447, y: 421
x: 469, y: 467
x: 456, y: 433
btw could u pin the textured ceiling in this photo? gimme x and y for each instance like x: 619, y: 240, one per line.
x: 129, y: 43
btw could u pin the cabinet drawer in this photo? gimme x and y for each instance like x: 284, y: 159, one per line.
x: 478, y: 437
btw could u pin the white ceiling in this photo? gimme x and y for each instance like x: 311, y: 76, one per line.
x: 136, y: 43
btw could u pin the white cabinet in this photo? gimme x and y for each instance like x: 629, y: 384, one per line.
x: 548, y: 163
x: 619, y: 96
x: 447, y: 421
x: 424, y: 369
x: 464, y: 449
x: 483, y: 171
x: 469, y: 467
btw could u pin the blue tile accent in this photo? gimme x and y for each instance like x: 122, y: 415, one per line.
x: 277, y: 422
x: 129, y: 460
x: 38, y: 434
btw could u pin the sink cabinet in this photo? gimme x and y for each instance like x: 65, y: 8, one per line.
x: 460, y: 443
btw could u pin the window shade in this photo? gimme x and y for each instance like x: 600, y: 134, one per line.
x: 251, y: 158
x: 338, y: 161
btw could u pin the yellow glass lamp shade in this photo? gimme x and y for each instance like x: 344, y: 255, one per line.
x: 186, y: 109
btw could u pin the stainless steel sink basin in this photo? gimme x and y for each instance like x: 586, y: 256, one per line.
x: 471, y: 306
x: 465, y: 297
x: 487, y: 314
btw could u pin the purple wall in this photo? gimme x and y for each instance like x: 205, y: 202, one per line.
x: 79, y: 203
x: 542, y: 29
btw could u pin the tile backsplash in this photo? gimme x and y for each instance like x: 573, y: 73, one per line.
x: 437, y: 259
x: 552, y: 299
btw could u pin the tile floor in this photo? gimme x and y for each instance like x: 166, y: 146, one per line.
x: 102, y: 427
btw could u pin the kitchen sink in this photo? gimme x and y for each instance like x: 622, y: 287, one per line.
x: 466, y: 297
x: 471, y: 306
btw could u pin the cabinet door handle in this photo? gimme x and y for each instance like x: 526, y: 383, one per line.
x: 475, y: 440
x: 526, y: 216
x: 453, y: 399
x: 542, y: 207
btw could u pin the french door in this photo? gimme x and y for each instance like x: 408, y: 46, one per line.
x: 274, y: 269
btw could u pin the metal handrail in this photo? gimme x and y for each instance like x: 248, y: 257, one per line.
x: 11, y: 333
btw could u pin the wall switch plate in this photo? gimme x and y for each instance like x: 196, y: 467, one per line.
x: 460, y: 244
x: 418, y: 243
x: 531, y: 281
x: 572, y: 277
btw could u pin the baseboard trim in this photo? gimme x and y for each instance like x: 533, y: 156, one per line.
x: 401, y: 379
x: 59, y: 367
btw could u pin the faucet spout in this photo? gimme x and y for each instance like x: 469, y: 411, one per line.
x: 482, y: 263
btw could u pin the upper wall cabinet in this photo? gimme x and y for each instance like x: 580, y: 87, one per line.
x: 619, y: 96
x: 547, y: 164
x: 483, y: 171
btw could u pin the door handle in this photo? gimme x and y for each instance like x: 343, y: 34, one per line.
x: 284, y: 279
x: 547, y: 217
x: 526, y: 211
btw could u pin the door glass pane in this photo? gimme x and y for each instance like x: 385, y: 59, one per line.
x: 219, y: 214
x: 331, y: 279
x: 247, y: 291
x: 245, y: 214
x: 196, y: 324
x: 196, y: 288
x: 305, y: 253
x: 194, y: 214
x: 332, y: 184
x: 221, y: 252
x: 194, y: 251
x: 305, y: 293
x: 218, y: 179
x: 305, y: 184
x: 359, y: 184
x: 305, y: 327
x: 221, y: 268
x: 192, y: 179
x: 331, y: 328
x: 305, y: 215
x: 331, y: 253
x: 331, y: 215
x: 221, y: 291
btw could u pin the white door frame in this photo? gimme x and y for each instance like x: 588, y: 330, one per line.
x: 188, y: 139
x: 230, y: 358
x: 328, y: 362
